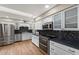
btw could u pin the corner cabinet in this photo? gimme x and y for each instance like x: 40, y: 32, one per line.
x: 71, y: 18
x: 57, y: 23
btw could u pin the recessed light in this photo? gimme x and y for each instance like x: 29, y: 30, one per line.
x: 7, y: 16
x: 46, y: 6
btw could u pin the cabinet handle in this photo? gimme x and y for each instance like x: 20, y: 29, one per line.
x: 52, y: 43
x: 71, y: 50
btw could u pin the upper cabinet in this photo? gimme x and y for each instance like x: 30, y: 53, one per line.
x: 71, y: 18
x: 57, y: 21
x: 67, y: 19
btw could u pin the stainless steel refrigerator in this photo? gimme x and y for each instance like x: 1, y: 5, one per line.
x: 1, y: 35
x: 7, y: 35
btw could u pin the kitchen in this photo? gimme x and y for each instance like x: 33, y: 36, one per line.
x: 50, y: 30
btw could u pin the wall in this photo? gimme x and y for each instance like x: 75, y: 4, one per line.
x: 38, y: 25
x: 48, y: 19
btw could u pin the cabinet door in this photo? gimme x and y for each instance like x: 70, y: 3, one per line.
x: 60, y: 51
x: 57, y: 21
x: 56, y: 49
x: 71, y: 18
x: 35, y: 40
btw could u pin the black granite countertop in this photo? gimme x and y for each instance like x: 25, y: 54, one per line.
x: 68, y: 38
x: 17, y: 32
x: 20, y: 31
x: 73, y: 44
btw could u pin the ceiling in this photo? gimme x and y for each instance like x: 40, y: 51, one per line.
x: 29, y: 9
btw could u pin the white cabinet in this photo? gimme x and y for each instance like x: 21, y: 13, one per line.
x: 26, y: 36
x: 18, y: 37
x: 71, y: 18
x: 57, y: 21
x: 35, y: 40
x: 56, y: 50
x: 59, y: 49
x: 67, y: 19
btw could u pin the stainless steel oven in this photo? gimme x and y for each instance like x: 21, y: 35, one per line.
x: 43, y: 43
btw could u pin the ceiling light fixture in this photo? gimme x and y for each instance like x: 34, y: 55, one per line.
x: 46, y: 6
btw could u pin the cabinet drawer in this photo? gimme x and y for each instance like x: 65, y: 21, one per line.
x: 64, y: 47
x: 60, y: 51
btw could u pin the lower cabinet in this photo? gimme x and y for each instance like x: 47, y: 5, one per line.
x: 26, y: 36
x: 59, y: 49
x: 35, y: 40
x: 18, y: 37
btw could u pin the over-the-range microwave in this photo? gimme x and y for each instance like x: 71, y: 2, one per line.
x: 48, y: 26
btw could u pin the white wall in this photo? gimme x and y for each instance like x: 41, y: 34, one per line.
x: 48, y: 19
x: 38, y: 25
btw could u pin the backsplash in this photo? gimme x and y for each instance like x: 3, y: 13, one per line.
x: 71, y: 35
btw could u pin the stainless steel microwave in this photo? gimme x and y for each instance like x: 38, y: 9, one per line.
x: 48, y: 26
